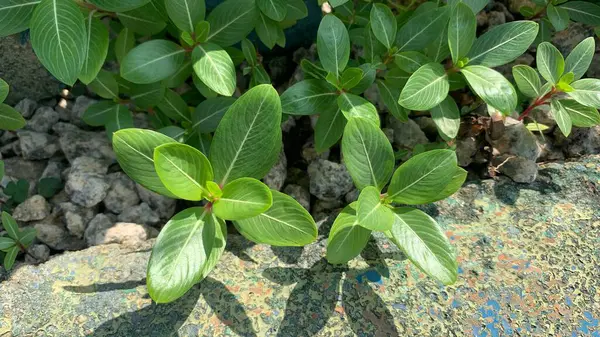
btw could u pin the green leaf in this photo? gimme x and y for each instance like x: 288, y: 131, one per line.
x: 461, y: 31
x: 329, y: 129
x: 354, y: 106
x: 267, y: 30
x: 250, y: 52
x: 96, y: 48
x: 582, y: 116
x: 367, y: 79
x: 274, y: 9
x: 248, y: 140
x: 185, y: 14
x: 346, y: 238
x: 144, y: 20
x: 48, y: 187
x: 544, y: 33
x: 58, y: 37
x: 296, y: 10
x: 367, y: 153
x: 373, y: 49
x: 147, y: 95
x: 232, y: 21
x: 27, y: 236
x: 202, y: 30
x: 135, y: 152
x: 6, y: 243
x: 182, y: 248
x: 421, y: 179
x: 4, y: 90
x: 1, y: 169
x: 586, y: 92
x: 425, y: 244
x: 174, y: 132
x: 15, y: 16
x: 411, y: 61
x: 286, y: 223
x: 558, y: 16
x: 105, y: 85
x: 390, y: 96
x: 209, y: 113
x: 351, y: 77
x: 308, y: 97
x: 439, y: 50
x: 580, y: 58
x: 10, y: 119
x: 383, y: 24
x: 183, y: 170
x: 174, y: 107
x: 118, y: 5
x: 181, y: 75
x: 528, y: 81
x: 152, y: 61
x: 118, y: 118
x: 458, y: 179
x: 243, y: 198
x: 550, y: 62
x: 423, y: 29
x: 372, y: 213
x: 97, y: 114
x: 561, y: 116
x: 446, y: 117
x: 10, y: 226
x: 426, y: 88
x: 218, y: 246
x: 333, y: 44
x: 215, y: 68
x: 475, y: 5
x: 397, y: 77
x: 10, y: 257
x: 492, y: 87
x: 124, y: 43
x: 503, y: 43
x: 582, y: 11
x: 18, y: 191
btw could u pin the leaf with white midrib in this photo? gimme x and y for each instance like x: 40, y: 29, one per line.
x: 152, y: 61
x: 215, y: 68
x: 15, y: 15
x: 58, y: 36
x: 503, y: 43
x: 231, y: 21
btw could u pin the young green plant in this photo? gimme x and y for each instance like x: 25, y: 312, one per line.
x: 245, y: 146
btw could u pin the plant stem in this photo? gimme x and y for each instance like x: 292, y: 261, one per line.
x: 538, y: 102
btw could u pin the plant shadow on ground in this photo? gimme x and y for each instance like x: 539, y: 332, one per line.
x: 311, y: 304
x: 315, y: 297
x: 508, y: 191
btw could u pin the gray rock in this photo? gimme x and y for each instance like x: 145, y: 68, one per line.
x: 329, y: 180
x: 580, y: 142
x: 56, y: 236
x: 34, y: 208
x: 64, y: 108
x: 465, y: 150
x: 567, y: 39
x: 326, y: 206
x: 76, y: 143
x: 37, y: 145
x: 299, y: 193
x: 37, y: 254
x: 519, y: 169
x: 23, y: 169
x: 126, y: 233
x: 594, y: 70
x: 276, y: 176
x: 406, y: 135
x: 87, y: 184
x: 26, y: 107
x: 141, y: 121
x: 97, y: 227
x: 515, y: 5
x: 427, y: 125
x: 43, y: 119
x: 310, y: 154
x: 53, y: 169
x: 142, y: 214
x: 165, y: 207
x: 517, y: 140
x: 352, y: 196
x: 79, y: 108
x: 122, y: 194
x: 289, y: 123
x: 76, y: 217
x: 22, y: 70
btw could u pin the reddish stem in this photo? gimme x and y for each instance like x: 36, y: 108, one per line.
x: 538, y: 102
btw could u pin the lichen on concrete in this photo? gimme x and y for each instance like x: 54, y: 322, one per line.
x: 529, y: 259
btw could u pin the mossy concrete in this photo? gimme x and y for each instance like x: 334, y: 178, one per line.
x: 529, y: 259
